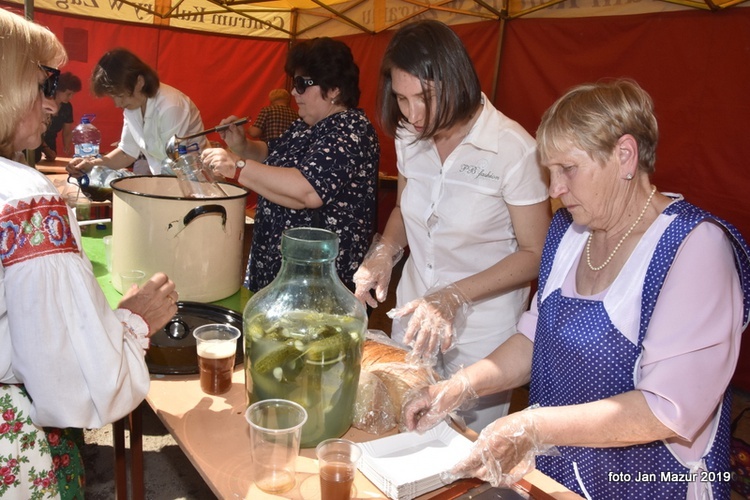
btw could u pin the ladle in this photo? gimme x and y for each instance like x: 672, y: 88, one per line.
x: 175, y: 141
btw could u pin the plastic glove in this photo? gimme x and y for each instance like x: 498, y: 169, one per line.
x: 435, y: 319
x: 504, y: 452
x: 426, y: 407
x: 375, y: 270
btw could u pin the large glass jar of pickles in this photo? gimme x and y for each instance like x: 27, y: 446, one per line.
x: 304, y: 335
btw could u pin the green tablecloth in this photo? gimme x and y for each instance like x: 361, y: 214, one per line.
x: 94, y: 247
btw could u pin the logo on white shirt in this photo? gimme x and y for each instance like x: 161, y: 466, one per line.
x: 479, y: 171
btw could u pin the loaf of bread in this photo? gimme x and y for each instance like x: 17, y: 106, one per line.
x: 385, y: 380
x: 381, y: 352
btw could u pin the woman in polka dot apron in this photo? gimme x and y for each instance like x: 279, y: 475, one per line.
x: 634, y: 334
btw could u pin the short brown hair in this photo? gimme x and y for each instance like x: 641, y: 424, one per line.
x: 330, y: 64
x: 432, y: 52
x: 117, y: 72
x: 68, y: 81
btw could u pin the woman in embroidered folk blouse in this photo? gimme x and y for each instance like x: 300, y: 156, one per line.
x: 61, y: 345
x: 321, y: 172
x: 634, y: 334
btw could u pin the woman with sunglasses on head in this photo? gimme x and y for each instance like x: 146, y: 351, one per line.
x: 471, y: 206
x: 321, y: 172
x: 67, y: 360
x: 153, y: 113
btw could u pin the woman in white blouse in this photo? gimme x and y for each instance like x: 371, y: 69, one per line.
x: 153, y: 112
x: 472, y: 208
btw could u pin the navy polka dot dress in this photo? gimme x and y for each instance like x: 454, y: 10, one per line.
x: 580, y: 356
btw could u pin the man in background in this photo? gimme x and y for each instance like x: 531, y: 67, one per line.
x: 67, y: 85
x: 275, y: 119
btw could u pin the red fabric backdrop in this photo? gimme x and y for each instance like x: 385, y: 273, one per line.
x: 223, y: 75
x: 695, y: 64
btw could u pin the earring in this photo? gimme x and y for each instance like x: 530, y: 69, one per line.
x: 629, y: 177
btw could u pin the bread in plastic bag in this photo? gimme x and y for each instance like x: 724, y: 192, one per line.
x: 385, y: 379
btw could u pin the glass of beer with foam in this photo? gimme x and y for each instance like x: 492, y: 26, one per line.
x: 216, y: 344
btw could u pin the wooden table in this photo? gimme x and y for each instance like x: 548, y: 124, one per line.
x: 94, y: 248
x: 214, y: 435
x: 56, y: 166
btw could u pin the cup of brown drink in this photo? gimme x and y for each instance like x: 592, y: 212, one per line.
x: 216, y: 345
x: 337, y: 459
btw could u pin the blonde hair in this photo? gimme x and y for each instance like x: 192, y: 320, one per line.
x: 24, y: 45
x: 279, y: 95
x: 594, y: 116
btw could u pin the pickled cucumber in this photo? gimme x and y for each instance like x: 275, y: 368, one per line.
x: 255, y: 330
x: 276, y: 357
x: 309, y: 357
x: 328, y: 348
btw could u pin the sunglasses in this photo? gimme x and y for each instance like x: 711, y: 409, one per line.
x: 49, y: 85
x: 301, y: 83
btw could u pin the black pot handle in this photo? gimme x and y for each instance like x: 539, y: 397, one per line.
x: 203, y: 210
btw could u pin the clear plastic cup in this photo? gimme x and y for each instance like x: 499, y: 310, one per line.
x: 130, y: 278
x: 216, y: 344
x: 337, y: 459
x: 275, y: 431
x: 107, y: 241
x: 80, y: 204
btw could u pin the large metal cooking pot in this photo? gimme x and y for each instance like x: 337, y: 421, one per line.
x: 197, y: 242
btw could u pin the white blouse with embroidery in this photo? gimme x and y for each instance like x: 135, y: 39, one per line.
x: 81, y: 362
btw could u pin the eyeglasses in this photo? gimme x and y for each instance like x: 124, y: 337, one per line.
x: 301, y: 83
x: 49, y: 85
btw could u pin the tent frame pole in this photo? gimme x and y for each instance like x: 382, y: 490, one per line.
x: 496, y: 74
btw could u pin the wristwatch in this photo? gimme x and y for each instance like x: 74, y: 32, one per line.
x: 238, y: 166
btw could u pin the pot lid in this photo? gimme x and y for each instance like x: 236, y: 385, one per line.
x: 173, y: 350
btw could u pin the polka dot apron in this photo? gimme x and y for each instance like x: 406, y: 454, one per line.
x: 580, y: 356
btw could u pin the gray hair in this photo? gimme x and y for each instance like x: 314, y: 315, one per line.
x: 594, y: 116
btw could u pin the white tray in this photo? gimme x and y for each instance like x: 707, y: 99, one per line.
x: 407, y: 465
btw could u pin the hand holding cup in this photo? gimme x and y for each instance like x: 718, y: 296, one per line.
x: 155, y: 301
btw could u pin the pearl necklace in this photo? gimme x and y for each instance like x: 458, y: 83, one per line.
x: 619, y: 243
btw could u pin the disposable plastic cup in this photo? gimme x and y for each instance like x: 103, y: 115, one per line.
x: 216, y: 344
x: 80, y: 204
x: 337, y: 459
x: 107, y: 241
x: 275, y: 431
x: 130, y: 278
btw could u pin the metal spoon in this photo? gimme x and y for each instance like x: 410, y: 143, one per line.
x: 174, y: 141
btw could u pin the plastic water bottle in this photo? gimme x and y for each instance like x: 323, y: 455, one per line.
x: 86, y: 137
x: 195, y: 180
